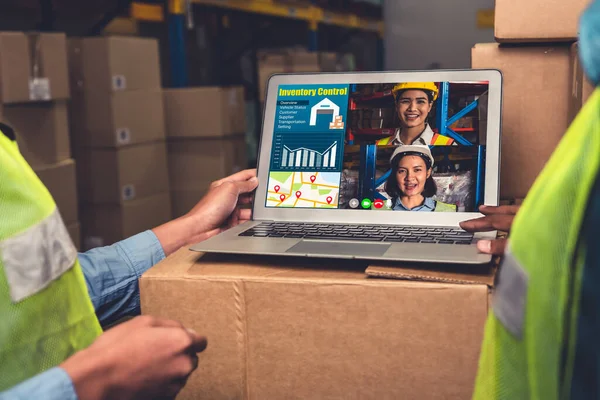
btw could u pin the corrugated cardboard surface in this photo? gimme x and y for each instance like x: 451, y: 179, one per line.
x: 101, y: 119
x: 272, y: 62
x: 307, y: 329
x: 581, y: 87
x: 120, y: 175
x: 537, y: 20
x: 24, y: 56
x: 75, y: 233
x: 194, y: 163
x: 105, y: 64
x: 107, y: 223
x: 49, y: 59
x: 205, y: 111
x: 15, y: 67
x: 60, y: 180
x: 462, y: 274
x: 42, y: 131
x: 535, y: 107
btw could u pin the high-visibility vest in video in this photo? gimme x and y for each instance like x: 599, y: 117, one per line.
x: 436, y: 140
x: 529, y: 345
x: 46, y: 314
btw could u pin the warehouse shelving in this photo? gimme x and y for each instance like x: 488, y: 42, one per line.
x: 311, y: 14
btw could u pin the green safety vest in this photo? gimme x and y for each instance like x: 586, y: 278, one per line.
x: 46, y: 314
x: 529, y: 343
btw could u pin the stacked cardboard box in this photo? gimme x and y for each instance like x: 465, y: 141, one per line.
x: 280, y: 61
x: 34, y: 90
x: 118, y: 134
x: 278, y: 326
x: 536, y: 57
x: 206, y: 140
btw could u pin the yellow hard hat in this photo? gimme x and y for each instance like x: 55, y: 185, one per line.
x: 428, y: 86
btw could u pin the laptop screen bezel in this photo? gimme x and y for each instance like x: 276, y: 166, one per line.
x: 492, y: 167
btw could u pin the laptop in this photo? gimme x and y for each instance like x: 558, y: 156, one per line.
x: 336, y: 182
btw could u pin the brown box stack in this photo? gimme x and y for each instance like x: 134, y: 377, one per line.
x: 531, y: 21
x: 206, y: 140
x: 281, y: 61
x: 543, y: 87
x: 34, y: 90
x: 581, y: 87
x: 118, y: 134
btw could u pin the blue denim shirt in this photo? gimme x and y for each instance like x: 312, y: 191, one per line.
x: 111, y: 274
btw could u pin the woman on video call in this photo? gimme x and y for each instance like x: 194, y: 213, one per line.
x: 414, y: 101
x: 410, y: 184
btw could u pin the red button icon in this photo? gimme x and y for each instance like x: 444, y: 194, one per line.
x: 378, y: 203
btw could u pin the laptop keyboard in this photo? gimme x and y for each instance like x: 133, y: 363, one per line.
x: 370, y: 233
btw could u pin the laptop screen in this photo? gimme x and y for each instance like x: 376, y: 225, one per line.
x: 406, y: 146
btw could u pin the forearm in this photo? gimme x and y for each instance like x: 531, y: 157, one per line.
x: 180, y: 232
x: 112, y: 274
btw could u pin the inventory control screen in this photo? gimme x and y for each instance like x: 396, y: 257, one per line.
x: 332, y: 146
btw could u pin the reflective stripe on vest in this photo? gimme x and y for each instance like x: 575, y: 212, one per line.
x: 45, y: 311
x: 436, y: 140
x: 528, y: 346
x: 440, y: 140
x: 385, y: 141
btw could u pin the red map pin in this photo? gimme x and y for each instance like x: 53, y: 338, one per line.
x: 313, y: 178
x: 298, y: 194
x: 276, y: 188
x: 282, y: 197
x: 329, y: 199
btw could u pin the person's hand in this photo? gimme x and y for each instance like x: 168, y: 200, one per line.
x: 221, y: 208
x: 144, y: 358
x: 495, y: 218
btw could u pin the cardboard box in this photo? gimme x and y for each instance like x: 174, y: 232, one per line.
x: 281, y: 61
x: 205, y: 111
x: 107, y: 64
x: 75, y: 233
x: 194, y: 163
x: 102, y: 119
x: 118, y: 176
x: 183, y: 200
x: 60, y: 180
x: 537, y: 20
x: 581, y: 87
x: 33, y: 67
x: 106, y: 224
x: 42, y: 131
x: 536, y: 85
x: 321, y: 329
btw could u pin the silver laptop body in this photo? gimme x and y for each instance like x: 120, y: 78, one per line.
x: 305, y: 142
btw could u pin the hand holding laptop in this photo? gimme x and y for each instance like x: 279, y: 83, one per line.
x: 495, y: 218
x: 224, y: 206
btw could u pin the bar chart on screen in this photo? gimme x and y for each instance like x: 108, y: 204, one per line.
x: 307, y: 152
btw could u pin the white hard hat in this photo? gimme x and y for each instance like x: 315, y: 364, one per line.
x: 414, y: 148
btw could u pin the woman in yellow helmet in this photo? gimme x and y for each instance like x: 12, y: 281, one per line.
x: 414, y: 101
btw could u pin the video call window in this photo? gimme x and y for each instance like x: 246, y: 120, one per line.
x: 409, y: 146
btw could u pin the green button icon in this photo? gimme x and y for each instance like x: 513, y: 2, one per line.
x: 366, y: 203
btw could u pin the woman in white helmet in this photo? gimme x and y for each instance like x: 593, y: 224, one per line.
x: 414, y: 101
x: 410, y: 184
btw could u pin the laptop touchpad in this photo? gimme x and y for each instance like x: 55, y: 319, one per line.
x: 341, y: 248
